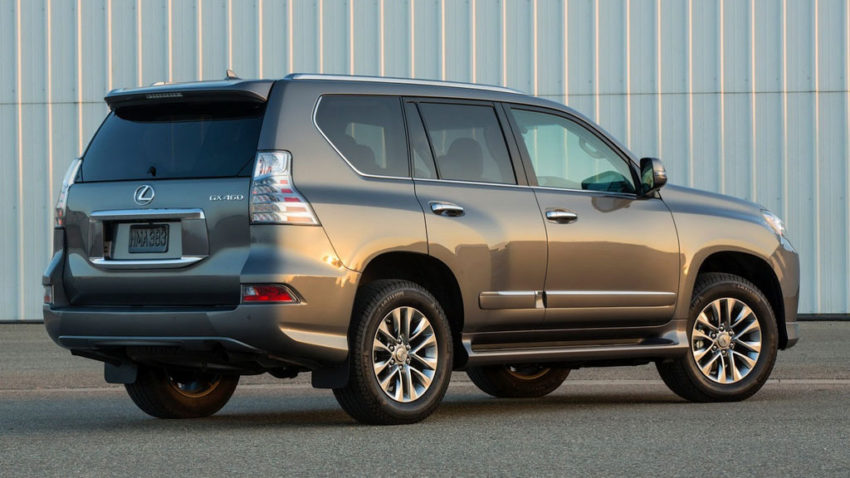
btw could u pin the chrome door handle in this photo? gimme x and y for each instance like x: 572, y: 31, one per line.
x: 446, y: 209
x: 561, y: 216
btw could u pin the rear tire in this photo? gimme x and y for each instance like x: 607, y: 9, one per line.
x: 520, y: 381
x: 732, y: 350
x: 164, y: 394
x: 401, y: 355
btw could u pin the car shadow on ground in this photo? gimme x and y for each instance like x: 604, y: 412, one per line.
x: 105, y: 413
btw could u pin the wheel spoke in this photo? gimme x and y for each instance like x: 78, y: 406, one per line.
x: 736, y: 374
x: 385, y: 383
x: 409, y: 389
x: 721, y: 368
x: 699, y: 334
x: 700, y: 354
x: 396, y: 314
x: 753, y: 346
x: 729, y: 306
x: 745, y: 358
x: 423, y: 379
x: 421, y: 326
x: 426, y: 361
x: 716, y: 311
x: 378, y: 346
x: 743, y: 314
x: 706, y: 369
x: 405, y: 327
x: 749, y: 328
x: 399, y: 387
x: 431, y: 340
x: 702, y: 319
x: 384, y: 329
x: 380, y: 367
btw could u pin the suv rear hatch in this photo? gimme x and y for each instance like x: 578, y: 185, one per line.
x: 159, y: 211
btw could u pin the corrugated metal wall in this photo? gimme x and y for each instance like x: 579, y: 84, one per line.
x: 748, y: 98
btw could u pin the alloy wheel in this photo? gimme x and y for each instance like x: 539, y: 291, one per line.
x: 726, y: 340
x: 404, y: 354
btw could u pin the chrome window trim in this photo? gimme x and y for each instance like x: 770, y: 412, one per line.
x: 449, y: 181
x: 402, y: 81
x: 146, y: 263
x: 130, y: 214
x: 349, y: 163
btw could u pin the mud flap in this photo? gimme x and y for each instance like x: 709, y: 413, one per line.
x: 125, y: 372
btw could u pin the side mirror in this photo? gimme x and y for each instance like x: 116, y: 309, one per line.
x: 652, y: 175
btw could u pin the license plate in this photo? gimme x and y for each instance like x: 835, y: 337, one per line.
x: 149, y: 238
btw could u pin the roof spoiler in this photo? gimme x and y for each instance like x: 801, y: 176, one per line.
x: 225, y: 90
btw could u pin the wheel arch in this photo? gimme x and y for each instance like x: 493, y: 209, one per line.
x: 432, y: 274
x: 754, y: 269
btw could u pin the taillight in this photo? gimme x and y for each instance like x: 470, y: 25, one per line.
x: 268, y: 293
x: 62, y: 203
x: 274, y: 199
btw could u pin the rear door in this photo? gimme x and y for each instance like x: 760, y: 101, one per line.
x: 159, y: 212
x: 613, y: 255
x: 481, y: 220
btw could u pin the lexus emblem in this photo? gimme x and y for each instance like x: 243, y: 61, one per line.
x: 144, y: 195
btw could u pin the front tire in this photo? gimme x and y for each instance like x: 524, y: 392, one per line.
x: 401, y: 355
x: 732, y: 338
x: 173, y: 394
x: 517, y: 381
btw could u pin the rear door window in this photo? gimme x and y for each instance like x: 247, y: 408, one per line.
x: 468, y: 143
x: 368, y: 131
x: 175, y: 140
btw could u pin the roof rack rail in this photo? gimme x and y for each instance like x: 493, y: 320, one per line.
x: 403, y: 81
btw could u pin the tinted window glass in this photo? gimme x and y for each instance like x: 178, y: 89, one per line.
x: 467, y: 142
x: 178, y: 140
x: 565, y: 154
x: 368, y: 131
x: 423, y: 161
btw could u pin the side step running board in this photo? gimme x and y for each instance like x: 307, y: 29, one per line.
x: 577, y: 353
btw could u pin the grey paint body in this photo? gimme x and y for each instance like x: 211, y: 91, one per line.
x: 614, y: 285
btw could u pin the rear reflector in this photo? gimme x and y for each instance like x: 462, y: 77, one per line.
x: 268, y: 293
x: 274, y: 199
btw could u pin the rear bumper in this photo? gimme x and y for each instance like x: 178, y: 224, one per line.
x: 256, y: 333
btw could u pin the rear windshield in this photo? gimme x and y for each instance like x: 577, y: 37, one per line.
x: 178, y: 140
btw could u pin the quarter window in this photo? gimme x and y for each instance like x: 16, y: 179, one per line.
x: 468, y: 143
x: 567, y: 155
x: 368, y: 131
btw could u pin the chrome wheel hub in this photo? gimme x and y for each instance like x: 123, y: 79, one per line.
x: 726, y: 340
x: 404, y: 354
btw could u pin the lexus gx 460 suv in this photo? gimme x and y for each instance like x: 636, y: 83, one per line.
x: 381, y: 233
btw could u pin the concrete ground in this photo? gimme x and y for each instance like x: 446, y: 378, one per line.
x: 58, y: 417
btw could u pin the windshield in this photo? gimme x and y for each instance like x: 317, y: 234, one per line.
x: 175, y: 140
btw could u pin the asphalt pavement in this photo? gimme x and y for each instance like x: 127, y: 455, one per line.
x: 58, y: 418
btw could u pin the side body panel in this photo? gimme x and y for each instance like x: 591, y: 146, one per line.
x: 363, y: 216
x: 496, y: 249
x: 616, y: 265
x: 709, y: 223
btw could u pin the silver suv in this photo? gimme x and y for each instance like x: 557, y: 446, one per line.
x: 381, y: 233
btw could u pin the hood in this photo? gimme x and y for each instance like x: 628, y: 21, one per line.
x: 694, y: 201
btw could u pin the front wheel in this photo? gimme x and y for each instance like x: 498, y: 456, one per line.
x: 517, y: 381
x: 732, y: 338
x: 401, y: 354
x: 180, y: 394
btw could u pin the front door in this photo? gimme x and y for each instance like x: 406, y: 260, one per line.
x: 481, y: 219
x: 613, y: 255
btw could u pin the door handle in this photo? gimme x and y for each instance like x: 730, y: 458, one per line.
x: 443, y: 208
x: 561, y: 216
